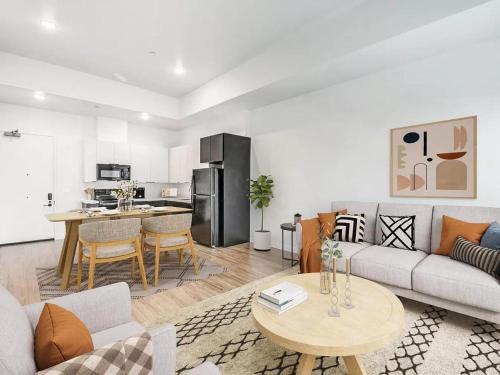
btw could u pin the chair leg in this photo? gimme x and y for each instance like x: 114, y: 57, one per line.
x: 157, y: 265
x: 141, y: 264
x: 193, y: 252
x: 80, y: 270
x: 180, y: 253
x: 91, y: 272
x: 132, y: 267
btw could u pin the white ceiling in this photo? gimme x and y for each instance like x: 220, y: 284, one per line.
x: 115, y: 36
x: 238, y: 54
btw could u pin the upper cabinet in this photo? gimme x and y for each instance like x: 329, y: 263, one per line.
x: 180, y: 163
x: 148, y: 164
x: 212, y: 149
x: 158, y: 162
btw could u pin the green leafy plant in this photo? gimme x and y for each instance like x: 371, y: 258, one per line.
x: 330, y: 249
x: 261, y: 193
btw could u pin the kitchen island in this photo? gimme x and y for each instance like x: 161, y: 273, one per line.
x: 73, y: 219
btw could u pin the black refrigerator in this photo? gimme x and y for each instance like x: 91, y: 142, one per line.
x: 219, y: 194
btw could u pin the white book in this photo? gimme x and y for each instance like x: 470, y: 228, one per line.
x: 282, y: 293
x: 280, y: 310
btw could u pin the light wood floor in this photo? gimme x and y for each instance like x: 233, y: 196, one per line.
x: 18, y: 264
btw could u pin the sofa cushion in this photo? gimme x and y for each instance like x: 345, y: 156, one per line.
x: 491, y: 237
x: 327, y: 221
x: 59, y: 336
x: 116, y: 333
x: 16, y: 337
x: 369, y: 209
x: 349, y: 228
x: 452, y: 228
x: 466, y: 213
x: 348, y: 250
x: 397, y: 231
x: 386, y: 265
x: 443, y: 277
x: 423, y: 221
x: 478, y: 256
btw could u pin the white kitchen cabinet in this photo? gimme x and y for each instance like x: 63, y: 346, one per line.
x: 180, y: 163
x: 105, y: 152
x: 122, y: 153
x: 140, y: 163
x: 89, y: 160
x: 158, y: 164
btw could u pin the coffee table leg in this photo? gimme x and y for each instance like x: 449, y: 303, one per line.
x: 354, y: 365
x: 306, y: 363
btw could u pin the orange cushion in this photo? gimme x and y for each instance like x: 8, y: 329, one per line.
x: 452, y: 228
x: 327, y: 221
x: 59, y: 335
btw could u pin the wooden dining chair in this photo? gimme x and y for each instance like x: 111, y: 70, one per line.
x: 110, y: 241
x: 168, y: 233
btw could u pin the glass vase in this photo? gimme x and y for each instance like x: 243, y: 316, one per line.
x: 124, y: 204
x: 325, y: 282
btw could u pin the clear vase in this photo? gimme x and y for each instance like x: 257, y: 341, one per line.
x: 325, y: 280
x: 124, y: 204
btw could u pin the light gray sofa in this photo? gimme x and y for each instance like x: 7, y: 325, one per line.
x: 422, y: 275
x: 107, y: 313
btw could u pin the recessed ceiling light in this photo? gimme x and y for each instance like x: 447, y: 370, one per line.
x: 39, y: 95
x: 152, y: 52
x: 179, y: 70
x: 119, y: 77
x: 49, y: 25
x: 145, y: 116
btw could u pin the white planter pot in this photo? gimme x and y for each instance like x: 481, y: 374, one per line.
x: 262, y: 240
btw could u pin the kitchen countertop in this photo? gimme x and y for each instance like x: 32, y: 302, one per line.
x: 173, y: 199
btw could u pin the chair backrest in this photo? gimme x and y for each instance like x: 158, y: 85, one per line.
x: 17, y: 353
x: 167, y: 223
x: 111, y: 230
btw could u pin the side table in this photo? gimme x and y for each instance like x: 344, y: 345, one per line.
x: 289, y: 227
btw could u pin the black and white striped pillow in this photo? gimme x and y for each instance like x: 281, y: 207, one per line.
x: 480, y: 257
x: 349, y: 228
x: 398, y: 231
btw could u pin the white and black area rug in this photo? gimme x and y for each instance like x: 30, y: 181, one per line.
x: 433, y: 342
x: 171, y: 275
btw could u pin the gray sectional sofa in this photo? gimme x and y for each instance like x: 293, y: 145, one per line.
x: 422, y: 275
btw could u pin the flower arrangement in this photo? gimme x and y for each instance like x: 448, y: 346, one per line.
x: 126, y: 190
x: 330, y: 249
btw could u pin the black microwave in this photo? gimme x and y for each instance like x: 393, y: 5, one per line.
x: 113, y: 172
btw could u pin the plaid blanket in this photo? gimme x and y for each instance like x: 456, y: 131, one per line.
x: 133, y: 355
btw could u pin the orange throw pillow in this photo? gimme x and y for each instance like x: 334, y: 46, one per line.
x: 59, y: 335
x: 452, y: 228
x: 327, y: 221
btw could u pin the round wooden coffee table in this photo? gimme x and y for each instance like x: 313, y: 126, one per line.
x: 376, y: 319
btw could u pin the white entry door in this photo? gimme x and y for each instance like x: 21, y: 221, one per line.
x: 26, y: 180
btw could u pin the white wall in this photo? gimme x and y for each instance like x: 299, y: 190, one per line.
x: 69, y: 131
x: 333, y: 144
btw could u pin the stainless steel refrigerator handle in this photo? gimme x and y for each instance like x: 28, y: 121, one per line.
x: 212, y: 234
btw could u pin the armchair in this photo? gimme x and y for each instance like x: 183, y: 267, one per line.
x: 107, y: 313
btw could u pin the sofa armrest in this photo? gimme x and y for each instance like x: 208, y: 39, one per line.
x: 99, y: 309
x: 298, y: 232
x: 164, y: 349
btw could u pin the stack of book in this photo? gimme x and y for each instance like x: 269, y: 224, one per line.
x: 282, y: 297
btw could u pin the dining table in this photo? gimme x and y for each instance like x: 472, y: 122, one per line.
x: 73, y: 220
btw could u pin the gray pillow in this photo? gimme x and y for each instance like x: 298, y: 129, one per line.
x: 491, y: 238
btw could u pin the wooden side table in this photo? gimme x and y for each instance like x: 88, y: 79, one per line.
x: 289, y: 227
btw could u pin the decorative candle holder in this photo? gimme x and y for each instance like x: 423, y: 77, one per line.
x: 334, y: 293
x: 348, y: 293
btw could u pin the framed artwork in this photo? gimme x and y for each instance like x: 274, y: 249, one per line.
x: 435, y: 160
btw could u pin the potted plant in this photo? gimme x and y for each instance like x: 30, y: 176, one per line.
x: 261, y: 193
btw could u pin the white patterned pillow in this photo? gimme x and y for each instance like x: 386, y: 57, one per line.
x: 398, y: 231
x: 349, y: 228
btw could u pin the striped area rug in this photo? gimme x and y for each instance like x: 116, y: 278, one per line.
x: 434, y: 342
x: 171, y: 275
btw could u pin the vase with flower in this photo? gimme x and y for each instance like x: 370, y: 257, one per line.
x: 124, y: 194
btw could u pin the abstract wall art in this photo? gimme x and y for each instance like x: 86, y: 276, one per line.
x: 435, y: 160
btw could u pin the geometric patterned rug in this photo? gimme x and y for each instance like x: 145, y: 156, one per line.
x: 434, y: 342
x: 171, y: 275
